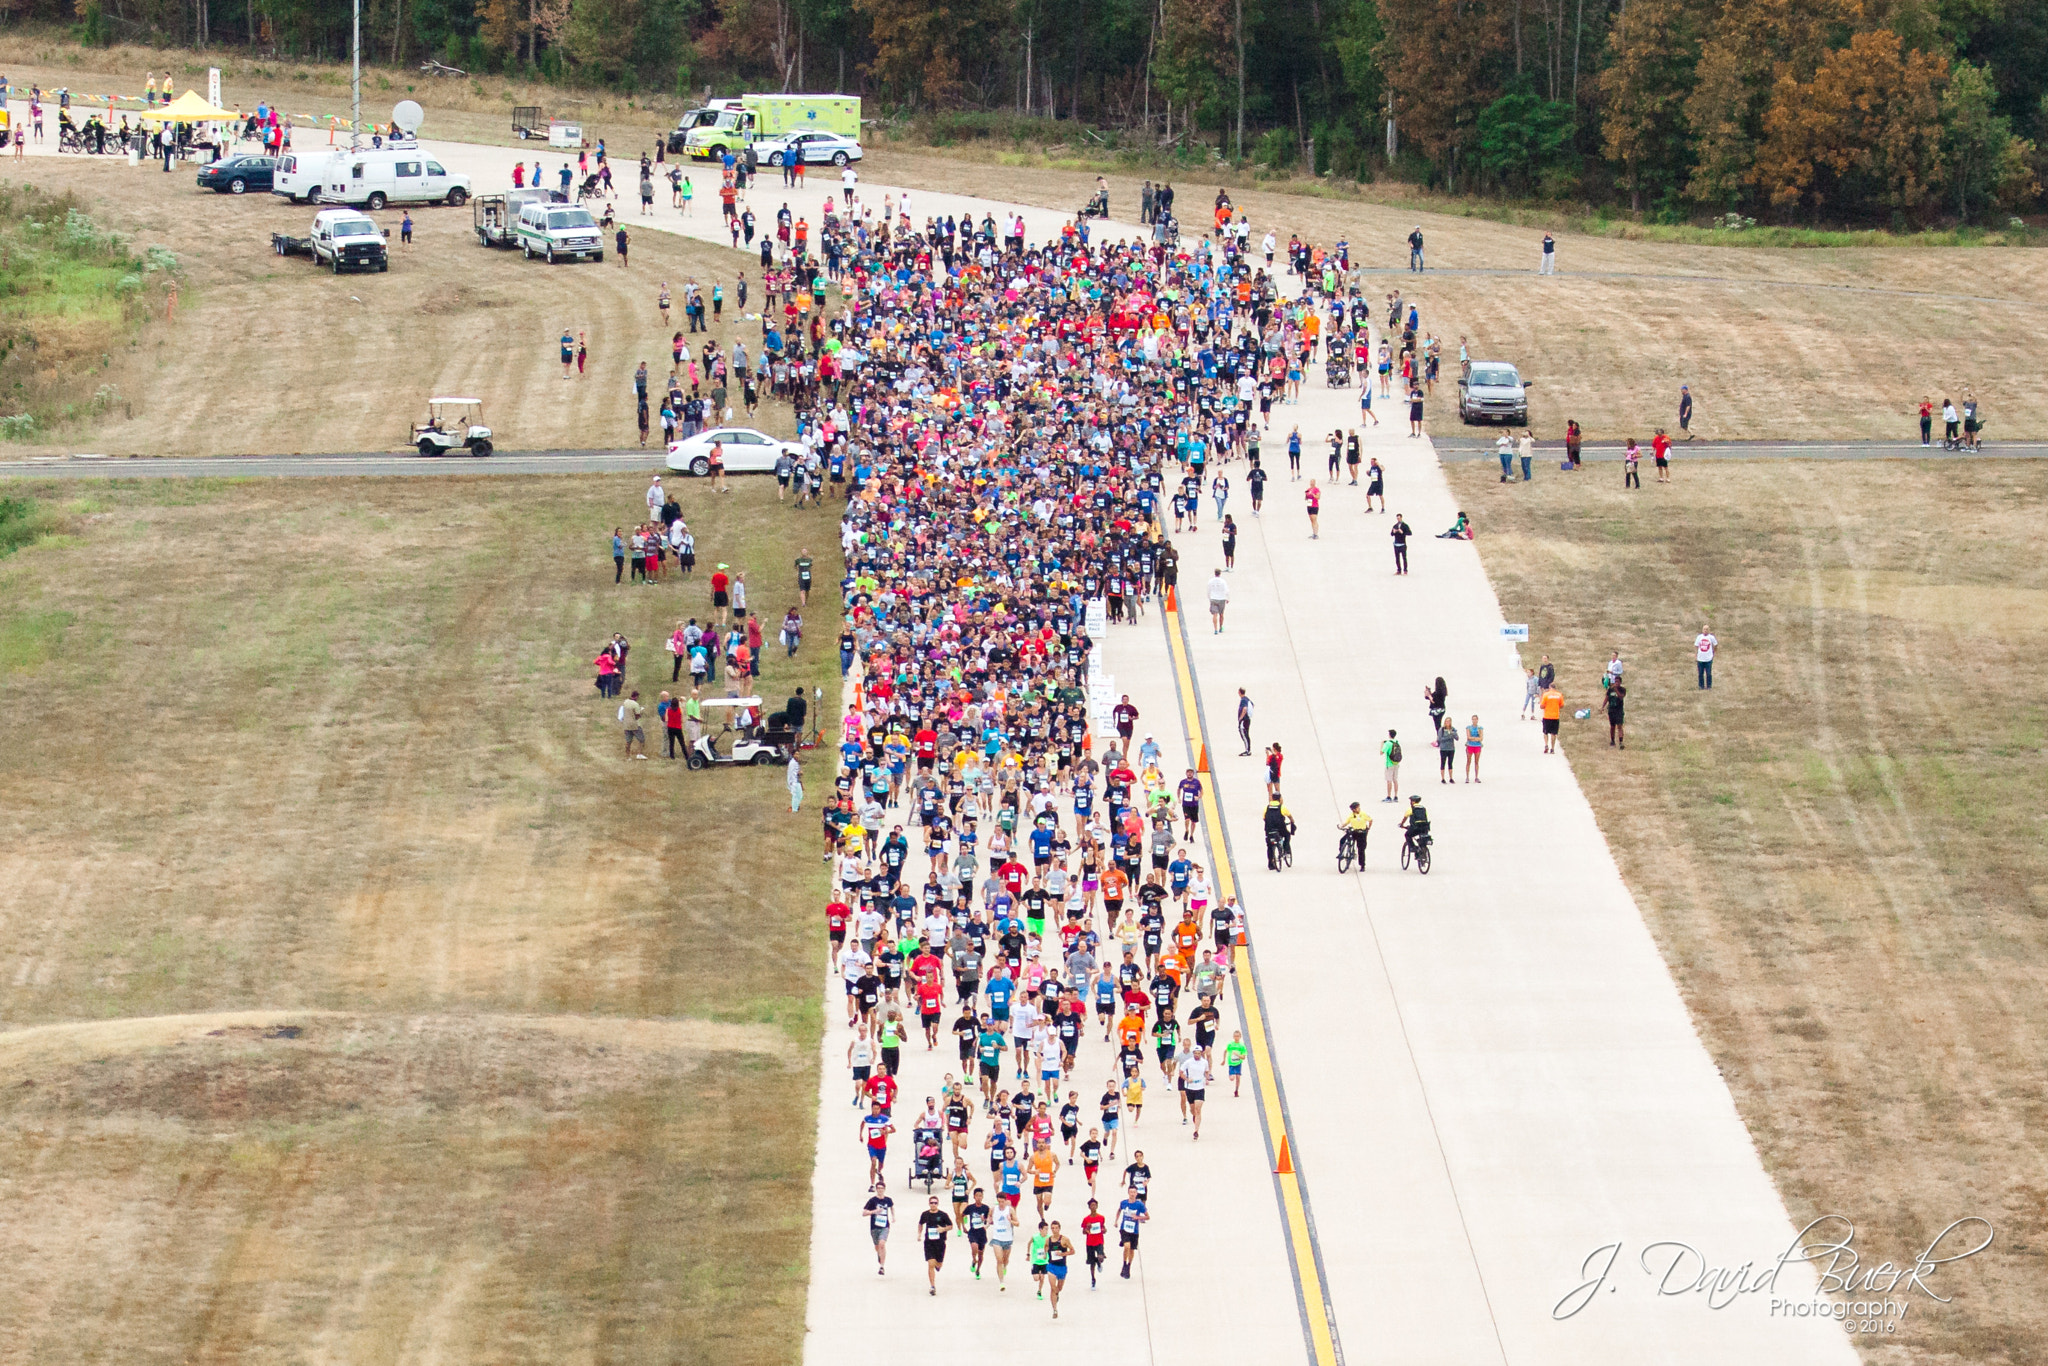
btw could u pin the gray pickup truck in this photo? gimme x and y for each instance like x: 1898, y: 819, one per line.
x: 1494, y: 392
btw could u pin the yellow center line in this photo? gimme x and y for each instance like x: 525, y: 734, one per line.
x: 1308, y: 1270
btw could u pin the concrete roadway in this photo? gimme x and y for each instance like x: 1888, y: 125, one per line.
x: 352, y: 464
x: 1464, y: 446
x: 340, y: 465
x: 1491, y: 1072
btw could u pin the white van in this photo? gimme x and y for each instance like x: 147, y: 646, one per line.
x: 370, y: 179
x: 554, y: 230
x: 300, y: 176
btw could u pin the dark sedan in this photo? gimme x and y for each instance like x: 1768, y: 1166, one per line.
x: 238, y: 175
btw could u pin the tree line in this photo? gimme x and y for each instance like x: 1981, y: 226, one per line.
x: 1894, y: 112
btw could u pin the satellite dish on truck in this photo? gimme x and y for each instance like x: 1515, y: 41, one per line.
x: 407, y: 114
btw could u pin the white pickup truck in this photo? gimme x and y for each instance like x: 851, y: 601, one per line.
x: 346, y: 239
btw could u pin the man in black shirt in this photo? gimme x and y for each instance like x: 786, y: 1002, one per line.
x: 974, y: 1221
x: 934, y: 1224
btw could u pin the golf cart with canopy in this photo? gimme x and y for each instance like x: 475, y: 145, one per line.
x: 452, y: 422
x: 752, y: 741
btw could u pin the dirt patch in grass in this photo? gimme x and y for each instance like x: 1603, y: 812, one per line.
x: 1839, y: 848
x: 366, y: 1002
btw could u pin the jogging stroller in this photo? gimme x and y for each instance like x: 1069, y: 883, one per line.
x: 591, y: 188
x: 927, y: 1158
x: 1096, y: 207
x: 1338, y: 372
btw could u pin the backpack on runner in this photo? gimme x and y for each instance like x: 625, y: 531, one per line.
x: 1393, y: 753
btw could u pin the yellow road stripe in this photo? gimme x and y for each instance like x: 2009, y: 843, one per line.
x: 1308, y: 1270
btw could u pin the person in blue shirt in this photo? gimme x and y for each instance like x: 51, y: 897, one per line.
x: 1177, y: 874
x: 1000, y: 989
x: 1130, y: 1217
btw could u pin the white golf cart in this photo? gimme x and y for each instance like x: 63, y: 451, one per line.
x: 752, y: 741
x: 452, y: 422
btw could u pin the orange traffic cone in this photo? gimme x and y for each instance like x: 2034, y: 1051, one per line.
x: 1285, y: 1167
x: 1203, y: 765
x: 1172, y: 603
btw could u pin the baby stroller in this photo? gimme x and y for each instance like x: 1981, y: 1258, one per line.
x: 1338, y: 373
x: 591, y: 188
x: 927, y: 1158
x: 1096, y: 207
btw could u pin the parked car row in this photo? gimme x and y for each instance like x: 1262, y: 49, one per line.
x: 368, y: 178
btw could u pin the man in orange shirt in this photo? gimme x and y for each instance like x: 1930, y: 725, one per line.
x: 1553, y: 712
x: 1045, y: 1167
x: 1115, y: 882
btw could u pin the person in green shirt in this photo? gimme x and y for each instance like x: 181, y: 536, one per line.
x: 1233, y: 1060
x: 890, y: 1039
x: 1038, y: 1258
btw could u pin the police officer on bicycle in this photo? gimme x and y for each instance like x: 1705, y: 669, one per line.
x: 1416, y: 823
x: 1279, y: 831
x: 1354, y: 827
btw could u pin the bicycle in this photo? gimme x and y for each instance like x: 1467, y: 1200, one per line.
x: 1350, y: 849
x: 1416, y: 848
x: 1279, y: 852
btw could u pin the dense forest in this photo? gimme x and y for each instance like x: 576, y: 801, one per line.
x: 1894, y: 112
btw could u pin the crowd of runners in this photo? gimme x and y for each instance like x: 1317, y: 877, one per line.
x: 1010, y: 867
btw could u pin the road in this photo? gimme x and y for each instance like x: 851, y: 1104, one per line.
x: 1491, y: 1071
x: 340, y: 465
x: 1463, y: 446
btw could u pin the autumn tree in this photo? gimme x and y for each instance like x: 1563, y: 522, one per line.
x: 1439, y: 61
x: 1656, y: 46
x: 1866, y: 127
x: 1750, y: 46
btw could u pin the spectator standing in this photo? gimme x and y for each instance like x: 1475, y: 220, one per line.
x: 1685, y: 410
x: 1549, y: 265
x: 1703, y: 647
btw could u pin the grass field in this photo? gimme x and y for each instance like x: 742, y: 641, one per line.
x: 1839, y: 848
x: 269, y: 354
x: 364, y: 1004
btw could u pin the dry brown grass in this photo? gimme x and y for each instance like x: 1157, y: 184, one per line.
x: 477, y: 109
x: 367, y: 1006
x: 1799, y: 343
x: 1838, y: 848
x: 268, y: 354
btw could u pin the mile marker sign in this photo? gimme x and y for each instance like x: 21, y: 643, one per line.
x: 1515, y: 632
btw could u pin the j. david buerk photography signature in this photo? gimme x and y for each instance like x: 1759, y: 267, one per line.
x: 1679, y: 1268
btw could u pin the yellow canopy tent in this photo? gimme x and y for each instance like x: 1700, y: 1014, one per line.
x: 190, y: 107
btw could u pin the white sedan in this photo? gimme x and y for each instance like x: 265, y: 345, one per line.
x: 746, y: 451
x: 811, y: 147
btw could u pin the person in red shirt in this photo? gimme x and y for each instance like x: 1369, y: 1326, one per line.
x: 926, y: 967
x: 721, y: 593
x: 1660, y: 447
x: 881, y: 1089
x: 1093, y: 1229
x: 836, y: 916
x: 931, y: 999
x: 1012, y: 873
x: 927, y: 744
